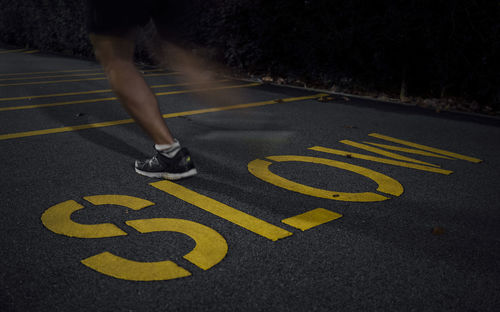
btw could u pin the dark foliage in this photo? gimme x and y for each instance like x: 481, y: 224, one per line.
x: 48, y: 25
x: 436, y: 47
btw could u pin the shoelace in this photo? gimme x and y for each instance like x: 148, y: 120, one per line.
x: 153, y: 161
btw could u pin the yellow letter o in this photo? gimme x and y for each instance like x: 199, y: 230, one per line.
x: 387, y: 185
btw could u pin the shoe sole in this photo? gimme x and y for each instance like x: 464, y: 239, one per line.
x: 168, y: 175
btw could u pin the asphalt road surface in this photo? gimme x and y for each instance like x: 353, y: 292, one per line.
x: 303, y: 201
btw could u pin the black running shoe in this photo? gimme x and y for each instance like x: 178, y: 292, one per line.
x: 160, y: 166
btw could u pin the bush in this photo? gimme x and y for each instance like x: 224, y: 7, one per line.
x: 437, y: 48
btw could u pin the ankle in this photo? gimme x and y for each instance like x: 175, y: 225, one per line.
x: 168, y: 150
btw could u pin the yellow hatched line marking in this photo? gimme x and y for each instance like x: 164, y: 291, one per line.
x: 171, y: 115
x: 30, y: 97
x: 51, y: 72
x: 11, y: 108
x: 65, y: 75
x: 11, y: 51
x: 73, y: 80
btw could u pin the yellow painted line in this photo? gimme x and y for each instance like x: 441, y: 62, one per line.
x: 380, y: 160
x: 118, y: 267
x: 253, y: 84
x: 65, y: 129
x: 386, y: 153
x: 409, y: 150
x: 73, y: 80
x: 11, y: 51
x: 49, y: 82
x: 221, y: 210
x: 51, y: 72
x: 312, y: 219
x: 31, y: 52
x: 426, y: 148
x: 240, y: 106
x: 210, y: 247
x: 11, y: 108
x: 387, y: 185
x: 171, y: 115
x: 43, y: 96
x: 65, y: 75
x: 49, y: 77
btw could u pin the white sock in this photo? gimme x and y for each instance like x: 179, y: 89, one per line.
x: 168, y: 150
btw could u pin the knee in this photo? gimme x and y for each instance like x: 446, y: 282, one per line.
x: 113, y: 53
x: 117, y: 67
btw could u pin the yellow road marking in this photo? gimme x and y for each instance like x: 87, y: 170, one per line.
x: 239, y: 106
x: 65, y: 75
x: 380, y: 160
x: 387, y: 185
x: 210, y: 247
x: 131, y: 202
x: 11, y: 51
x: 55, y: 71
x: 219, y: 209
x: 11, y: 108
x: 51, y: 72
x: 30, y: 97
x: 65, y: 129
x: 253, y: 84
x: 408, y: 150
x: 31, y: 52
x: 426, y: 148
x: 312, y: 219
x: 58, y: 219
x: 118, y: 267
x: 73, y: 80
x: 128, y: 121
x: 385, y: 153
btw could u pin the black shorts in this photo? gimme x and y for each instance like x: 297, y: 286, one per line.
x: 119, y: 16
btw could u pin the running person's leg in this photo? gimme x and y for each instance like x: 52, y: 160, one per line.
x: 115, y: 53
x: 114, y: 48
